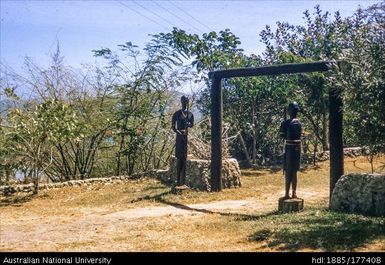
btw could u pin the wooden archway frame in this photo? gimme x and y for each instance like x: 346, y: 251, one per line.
x: 335, y: 115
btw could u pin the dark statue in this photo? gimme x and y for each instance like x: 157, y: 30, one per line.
x: 181, y: 121
x: 291, y: 131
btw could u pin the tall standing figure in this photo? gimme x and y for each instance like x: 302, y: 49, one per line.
x: 291, y: 131
x: 181, y: 121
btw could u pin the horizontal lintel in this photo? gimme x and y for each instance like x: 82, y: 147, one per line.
x: 292, y: 68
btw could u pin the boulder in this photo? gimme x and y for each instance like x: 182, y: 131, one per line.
x: 360, y: 193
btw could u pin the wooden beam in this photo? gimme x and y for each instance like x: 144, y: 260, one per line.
x: 272, y: 70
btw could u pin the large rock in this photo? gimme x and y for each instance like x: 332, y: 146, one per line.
x: 198, y: 173
x: 360, y: 193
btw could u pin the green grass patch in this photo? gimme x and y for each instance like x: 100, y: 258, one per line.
x: 318, y: 229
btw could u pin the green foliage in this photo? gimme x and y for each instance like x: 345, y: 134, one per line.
x: 142, y: 95
x: 32, y: 133
x: 362, y: 79
x: 322, y: 38
x: 210, y: 52
x: 108, y: 121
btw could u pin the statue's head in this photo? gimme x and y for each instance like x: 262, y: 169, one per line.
x: 293, y: 109
x: 184, y: 100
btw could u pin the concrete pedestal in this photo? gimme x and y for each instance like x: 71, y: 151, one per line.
x: 290, y: 205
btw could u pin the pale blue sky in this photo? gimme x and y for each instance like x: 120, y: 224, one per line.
x: 32, y: 28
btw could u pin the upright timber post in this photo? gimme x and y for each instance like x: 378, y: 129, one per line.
x: 216, y: 133
x: 336, y: 139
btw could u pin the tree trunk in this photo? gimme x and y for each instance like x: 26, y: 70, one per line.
x: 7, y: 175
x: 35, y: 181
x: 244, y: 149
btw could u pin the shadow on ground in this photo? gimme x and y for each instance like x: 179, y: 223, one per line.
x: 315, y: 228
x: 240, y: 217
x: 326, y: 230
x: 16, y: 200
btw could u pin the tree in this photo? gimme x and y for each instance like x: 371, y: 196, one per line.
x: 54, y: 89
x: 320, y: 39
x: 362, y: 80
x: 143, y: 92
x: 34, y: 132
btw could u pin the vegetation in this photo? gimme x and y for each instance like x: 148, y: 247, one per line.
x: 103, y: 122
x: 113, y: 120
x: 260, y: 100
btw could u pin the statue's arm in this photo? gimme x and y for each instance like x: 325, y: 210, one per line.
x: 173, y: 123
x: 191, y: 121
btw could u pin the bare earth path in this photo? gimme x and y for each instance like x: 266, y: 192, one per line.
x: 95, y: 230
x: 55, y: 232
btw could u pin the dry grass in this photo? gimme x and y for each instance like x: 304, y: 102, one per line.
x: 143, y: 215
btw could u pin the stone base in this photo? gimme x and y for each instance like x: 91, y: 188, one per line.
x: 290, y: 205
x: 198, y: 173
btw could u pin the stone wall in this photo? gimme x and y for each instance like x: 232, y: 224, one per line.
x: 323, y: 156
x: 27, y: 188
x: 198, y: 173
x: 307, y: 158
x: 360, y: 193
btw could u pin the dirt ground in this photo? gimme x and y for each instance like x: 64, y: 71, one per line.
x: 143, y: 215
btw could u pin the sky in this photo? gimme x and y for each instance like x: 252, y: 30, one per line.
x: 33, y: 28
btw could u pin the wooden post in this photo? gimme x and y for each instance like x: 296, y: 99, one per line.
x: 336, y: 139
x: 216, y: 134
